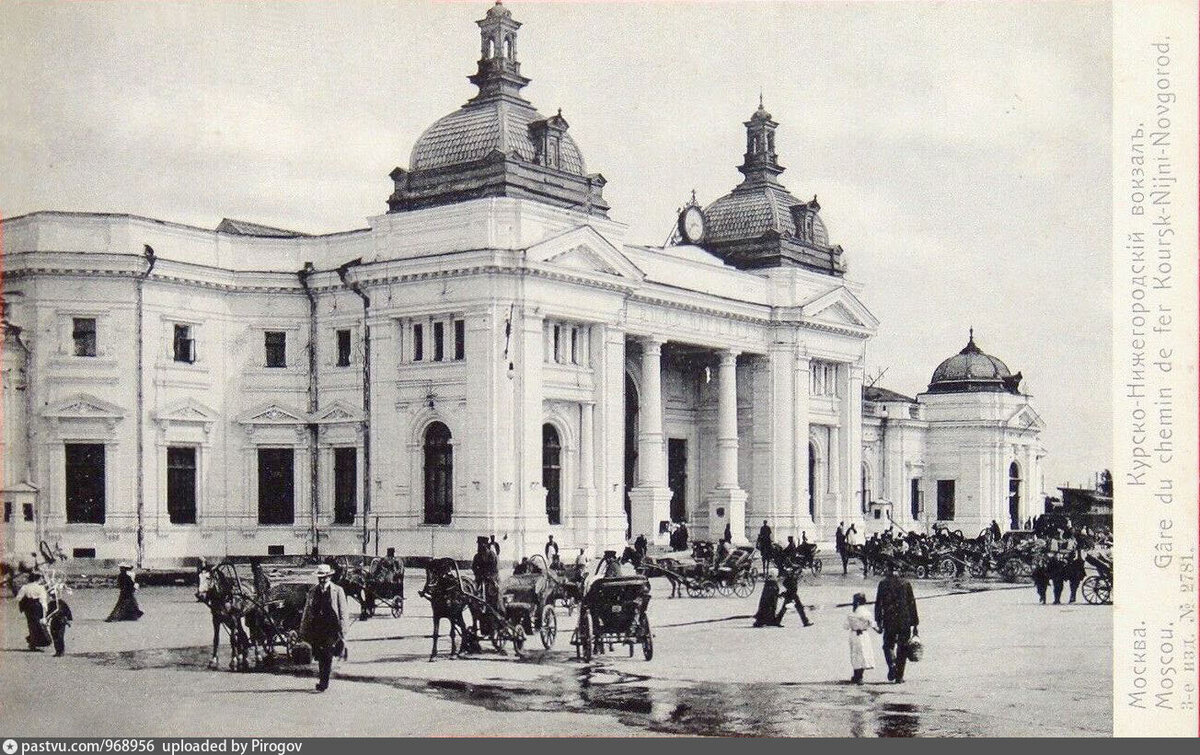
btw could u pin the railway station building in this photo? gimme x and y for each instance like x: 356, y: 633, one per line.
x: 489, y: 356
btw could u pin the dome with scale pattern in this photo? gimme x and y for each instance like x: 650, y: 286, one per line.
x: 972, y: 371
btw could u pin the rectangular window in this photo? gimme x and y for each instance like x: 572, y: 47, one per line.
x: 557, y: 343
x: 460, y: 339
x: 574, y: 345
x: 181, y: 484
x: 85, y: 483
x: 83, y: 553
x: 275, y: 342
x: 345, y: 485
x: 945, y: 500
x: 915, y: 498
x: 275, y: 550
x: 343, y: 348
x: 418, y: 342
x: 8, y: 507
x: 183, y: 346
x: 83, y: 334
x: 27, y: 511
x: 276, y: 486
x: 439, y: 341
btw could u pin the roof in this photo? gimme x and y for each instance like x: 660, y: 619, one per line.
x: 881, y: 395
x: 244, y: 228
x: 971, y: 370
x: 751, y: 210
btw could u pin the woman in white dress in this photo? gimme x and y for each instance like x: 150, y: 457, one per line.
x: 860, y: 622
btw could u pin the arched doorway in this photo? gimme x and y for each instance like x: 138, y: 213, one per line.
x: 439, y: 474
x: 631, y: 448
x: 552, y: 473
x: 1014, y: 496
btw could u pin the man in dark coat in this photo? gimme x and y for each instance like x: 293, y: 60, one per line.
x: 127, y: 608
x: 1041, y: 577
x: 1075, y: 571
x: 791, y: 582
x: 764, y: 543
x: 486, y: 568
x: 551, y: 549
x: 325, y: 622
x: 896, y: 614
x: 839, y: 545
x: 495, y: 546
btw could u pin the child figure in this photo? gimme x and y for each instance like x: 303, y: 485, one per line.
x: 58, y: 618
x: 860, y: 622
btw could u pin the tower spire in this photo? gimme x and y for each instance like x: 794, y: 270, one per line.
x: 760, y: 164
x: 499, y: 73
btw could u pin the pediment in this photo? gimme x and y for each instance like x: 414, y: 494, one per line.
x: 338, y: 411
x: 839, y: 308
x: 273, y: 414
x: 584, y: 249
x: 1026, y: 418
x: 187, y: 410
x: 84, y: 406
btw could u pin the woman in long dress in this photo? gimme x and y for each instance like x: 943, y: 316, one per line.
x: 860, y: 622
x: 127, y: 608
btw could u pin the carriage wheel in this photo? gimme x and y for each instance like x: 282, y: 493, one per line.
x: 725, y: 588
x: 978, y: 569
x: 1096, y: 590
x: 817, y: 566
x: 922, y: 571
x: 646, y: 637
x: 585, y: 635
x: 708, y: 590
x: 744, y: 588
x: 946, y: 568
x: 518, y: 639
x: 549, y: 628
x: 398, y: 608
x: 694, y: 589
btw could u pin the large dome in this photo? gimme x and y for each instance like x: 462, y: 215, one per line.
x: 480, y: 128
x: 971, y: 370
x: 749, y: 212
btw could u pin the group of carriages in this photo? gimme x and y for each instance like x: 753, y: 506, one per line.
x: 712, y: 569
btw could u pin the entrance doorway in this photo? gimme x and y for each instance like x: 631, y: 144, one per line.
x: 631, y: 449
x: 677, y: 477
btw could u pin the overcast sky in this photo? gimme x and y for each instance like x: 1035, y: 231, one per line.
x: 960, y: 151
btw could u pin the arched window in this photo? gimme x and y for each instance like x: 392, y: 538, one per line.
x: 552, y: 473
x: 1014, y: 496
x: 489, y: 49
x: 439, y: 475
x: 812, y: 481
x: 510, y: 47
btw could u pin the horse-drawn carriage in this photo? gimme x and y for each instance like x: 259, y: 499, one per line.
x: 260, y: 604
x: 371, y: 580
x: 804, y: 557
x: 613, y: 612
x: 1097, y: 588
x: 705, y: 575
x: 451, y: 593
x: 527, y: 602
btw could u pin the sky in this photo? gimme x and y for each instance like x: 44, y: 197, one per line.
x: 961, y: 152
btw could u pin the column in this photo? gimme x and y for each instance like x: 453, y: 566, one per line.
x: 650, y: 499
x: 583, y: 511
x: 727, y: 503
x: 801, y: 383
x: 850, y: 378
x: 586, y: 462
x: 608, y: 528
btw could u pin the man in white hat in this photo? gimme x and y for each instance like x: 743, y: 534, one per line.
x: 325, y: 622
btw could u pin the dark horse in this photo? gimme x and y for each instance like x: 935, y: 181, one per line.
x: 446, y: 590
x: 240, y: 606
x: 369, y: 579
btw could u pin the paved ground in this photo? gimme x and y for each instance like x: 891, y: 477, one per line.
x: 996, y: 664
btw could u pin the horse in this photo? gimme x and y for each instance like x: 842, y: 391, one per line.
x: 667, y: 567
x: 45, y: 555
x: 365, y: 579
x: 234, y: 604
x: 446, y: 590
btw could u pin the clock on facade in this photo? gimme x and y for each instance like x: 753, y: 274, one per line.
x: 692, y: 224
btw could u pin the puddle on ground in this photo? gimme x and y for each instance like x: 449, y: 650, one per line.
x: 639, y: 701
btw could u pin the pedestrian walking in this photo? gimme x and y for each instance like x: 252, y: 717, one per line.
x: 324, y: 623
x: 860, y: 622
x: 839, y: 545
x: 1075, y: 570
x: 896, y: 615
x: 127, y: 608
x: 1041, y: 577
x: 791, y: 583
x: 33, y: 601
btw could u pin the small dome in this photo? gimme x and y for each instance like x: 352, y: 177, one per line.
x: 748, y: 212
x: 971, y: 370
x: 481, y: 127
